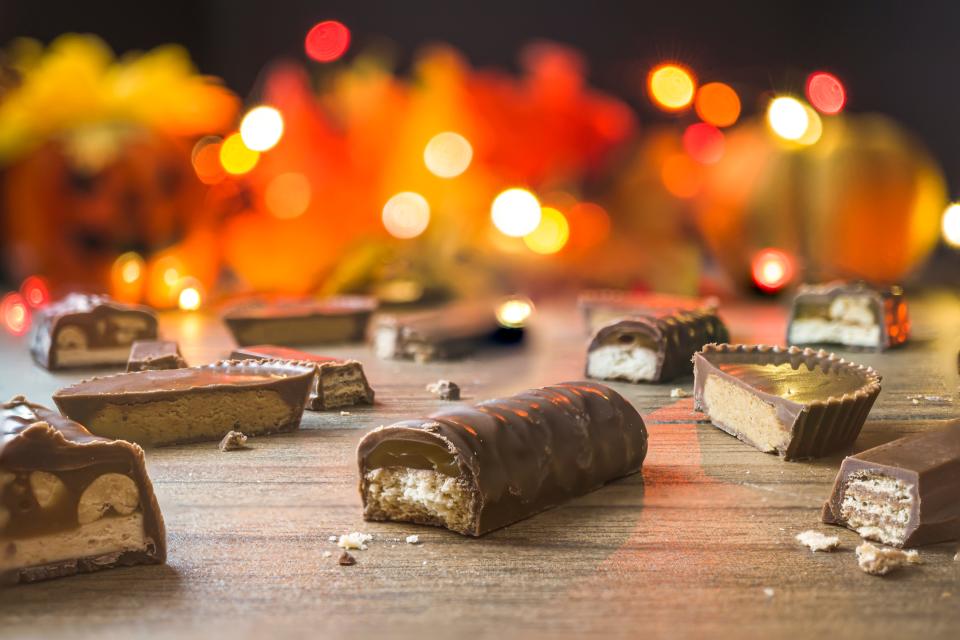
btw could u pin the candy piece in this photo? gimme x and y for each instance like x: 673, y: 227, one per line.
x: 338, y: 382
x: 154, y: 355
x: 89, y: 331
x: 301, y: 322
x: 849, y: 313
x: 798, y: 403
x: 878, y: 561
x: 193, y: 404
x: 444, y: 389
x: 71, y: 502
x: 652, y: 349
x: 905, y: 493
x: 602, y: 306
x: 475, y: 469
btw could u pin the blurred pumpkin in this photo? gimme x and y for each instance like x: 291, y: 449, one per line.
x: 863, y: 202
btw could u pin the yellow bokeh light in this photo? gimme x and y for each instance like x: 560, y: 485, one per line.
x: 288, y: 195
x: 514, y: 311
x: 171, y: 276
x: 190, y: 298
x: 406, y: 215
x: 129, y: 267
x: 814, y: 127
x: 951, y: 225
x: 671, y: 87
x: 235, y: 157
x: 551, y: 234
x: 788, y: 118
x: 262, y: 128
x: 448, y: 154
x: 515, y: 212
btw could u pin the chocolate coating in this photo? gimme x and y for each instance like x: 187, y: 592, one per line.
x: 603, y: 306
x: 301, y: 322
x: 888, y: 307
x: 154, y: 355
x: 518, y: 455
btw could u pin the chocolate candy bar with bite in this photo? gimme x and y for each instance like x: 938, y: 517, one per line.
x: 71, y: 502
x: 652, y: 349
x: 476, y: 469
x: 174, y: 406
x: 89, y: 331
x: 798, y: 403
x: 852, y: 314
x: 155, y: 355
x: 601, y: 307
x: 905, y: 493
x: 337, y: 383
x: 301, y: 322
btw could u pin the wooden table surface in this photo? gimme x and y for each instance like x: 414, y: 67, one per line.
x: 700, y: 545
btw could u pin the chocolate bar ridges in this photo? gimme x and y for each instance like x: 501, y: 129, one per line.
x: 853, y: 314
x: 71, y: 502
x: 652, y: 349
x: 154, y: 355
x: 600, y: 307
x: 301, y: 322
x: 905, y: 493
x: 798, y: 403
x: 89, y: 331
x: 174, y: 406
x: 447, y: 333
x: 337, y: 383
x: 475, y: 469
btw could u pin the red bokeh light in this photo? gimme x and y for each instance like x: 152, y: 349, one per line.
x: 772, y: 269
x: 35, y: 292
x: 826, y: 93
x: 703, y: 142
x: 15, y: 314
x: 327, y: 41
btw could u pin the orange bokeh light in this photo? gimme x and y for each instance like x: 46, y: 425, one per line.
x: 288, y: 195
x: 703, y: 142
x: 206, y: 160
x: 826, y: 93
x: 327, y: 41
x: 717, y: 104
x: 671, y: 87
x: 589, y: 226
x: 15, y: 314
x: 772, y: 269
x: 681, y: 176
x: 35, y: 292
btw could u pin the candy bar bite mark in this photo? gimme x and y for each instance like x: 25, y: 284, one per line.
x: 154, y: 355
x: 71, y: 502
x: 850, y: 314
x: 796, y: 403
x: 89, y: 331
x: 192, y: 404
x: 903, y: 493
x: 651, y: 349
x: 300, y: 322
x: 475, y: 469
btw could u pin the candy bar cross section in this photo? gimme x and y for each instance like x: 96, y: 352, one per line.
x: 339, y: 319
x: 851, y: 314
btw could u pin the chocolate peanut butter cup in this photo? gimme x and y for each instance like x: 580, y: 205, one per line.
x: 798, y: 403
x: 192, y: 404
x: 301, y: 322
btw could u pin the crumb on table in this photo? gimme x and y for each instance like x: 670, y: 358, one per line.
x: 817, y: 541
x: 445, y: 389
x: 354, y: 540
x: 346, y: 560
x: 879, y: 561
x: 678, y: 393
x: 414, y: 539
x: 233, y: 441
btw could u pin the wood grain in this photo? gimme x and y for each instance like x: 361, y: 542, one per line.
x: 685, y: 550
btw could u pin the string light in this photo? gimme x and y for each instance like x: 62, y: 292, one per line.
x: 951, y: 225
x: 826, y: 93
x: 448, y: 154
x: 671, y: 87
x: 772, y: 269
x: 15, y: 314
x: 406, y: 215
x: 35, y: 292
x: 551, y: 234
x: 717, y: 104
x: 235, y: 157
x: 327, y: 41
x: 514, y: 312
x: 788, y: 118
x: 515, y: 212
x: 261, y: 129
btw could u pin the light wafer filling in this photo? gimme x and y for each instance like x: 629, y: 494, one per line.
x: 849, y: 320
x: 424, y: 496
x: 877, y: 506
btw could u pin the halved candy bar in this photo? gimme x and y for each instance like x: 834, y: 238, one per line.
x: 905, y: 493
x: 194, y: 404
x: 798, y: 403
x: 475, y: 469
x: 652, y: 349
x: 89, y: 331
x: 301, y: 322
x: 71, y: 502
x: 852, y: 314
x: 600, y: 307
x: 338, y: 383
x: 155, y: 355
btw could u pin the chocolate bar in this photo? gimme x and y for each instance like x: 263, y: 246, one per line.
x: 175, y: 406
x: 89, y: 331
x: 476, y: 469
x: 447, y: 333
x: 301, y: 322
x: 602, y: 306
x: 337, y: 383
x: 146, y: 355
x: 652, y: 349
x: 798, y: 403
x: 852, y: 314
x: 71, y: 502
x: 905, y: 493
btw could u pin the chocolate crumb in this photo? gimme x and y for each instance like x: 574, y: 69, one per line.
x: 233, y: 441
x: 446, y: 389
x: 346, y: 560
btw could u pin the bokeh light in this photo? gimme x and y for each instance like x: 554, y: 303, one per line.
x: 262, y: 128
x: 128, y: 267
x: 826, y: 93
x: 513, y: 312
x: 551, y: 234
x: 327, y: 41
x: 448, y: 154
x: 681, y: 175
x: 951, y: 225
x: 190, y: 297
x: 35, y: 292
x: 15, y: 314
x: 671, y: 87
x: 406, y: 215
x: 287, y: 195
x: 206, y: 160
x: 814, y: 127
x: 788, y: 118
x: 515, y: 212
x: 589, y: 226
x: 717, y: 104
x: 703, y: 142
x: 772, y: 269
x: 235, y: 157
